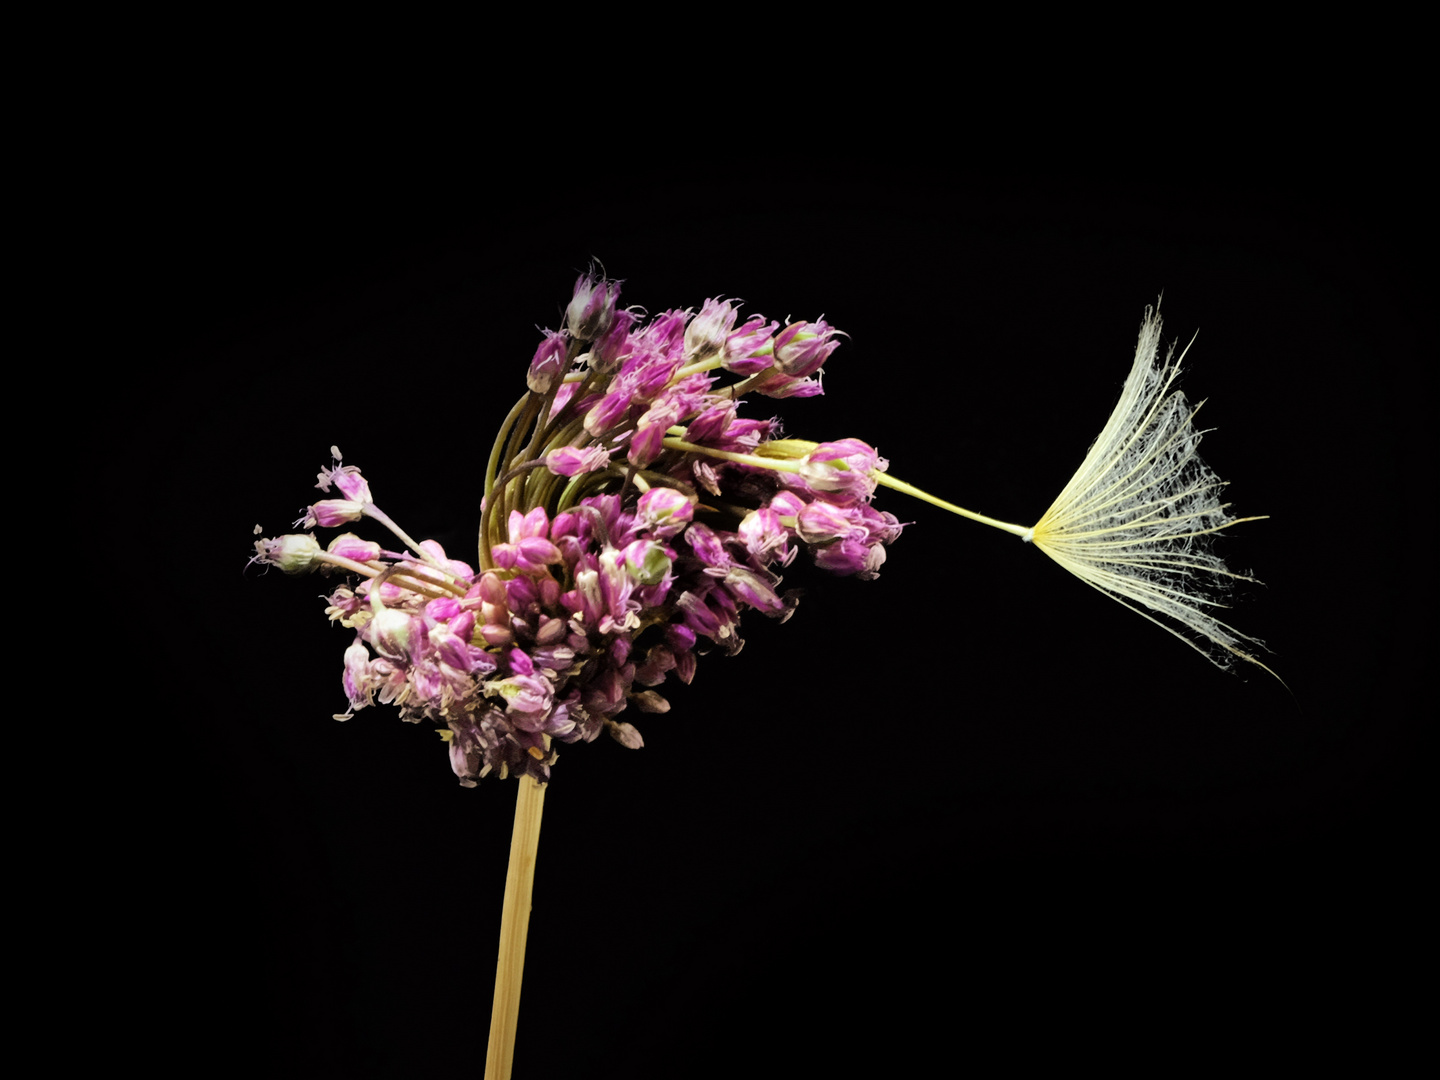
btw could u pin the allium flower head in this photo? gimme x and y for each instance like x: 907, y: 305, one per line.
x: 597, y: 576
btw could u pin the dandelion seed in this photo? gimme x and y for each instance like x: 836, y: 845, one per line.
x: 1136, y: 519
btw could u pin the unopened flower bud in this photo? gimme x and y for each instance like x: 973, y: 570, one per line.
x: 610, y: 349
x: 750, y: 348
x: 572, y: 461
x: 650, y: 701
x: 707, y: 332
x: 647, y: 562
x: 802, y: 347
x: 350, y: 546
x: 664, y: 511
x: 327, y: 513
x: 592, y: 307
x: 392, y: 633
x: 547, y: 363
x: 625, y: 734
x: 293, y: 554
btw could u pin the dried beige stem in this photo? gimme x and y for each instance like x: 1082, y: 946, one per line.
x: 514, y: 926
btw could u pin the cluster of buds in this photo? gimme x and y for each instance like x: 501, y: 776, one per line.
x: 631, y: 516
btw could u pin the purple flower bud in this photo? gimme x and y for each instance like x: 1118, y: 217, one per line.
x: 680, y: 637
x: 442, y: 609
x: 463, y: 627
x: 882, y: 526
x: 666, y: 332
x: 559, y: 724
x: 845, y: 557
x: 620, y: 654
x: 843, y: 467
x: 701, y: 618
x: 754, y: 589
x: 460, y: 569
x: 707, y: 332
x: 663, y: 512
x: 572, y: 461
x: 523, y: 693
x: 821, y: 522
x: 750, y: 349
x: 647, y: 562
x: 787, y: 505
x: 614, y: 345
x: 645, y: 445
x: 685, y: 666
x: 491, y: 588
x: 616, y: 585
x: 606, y: 693
x: 520, y: 594
x: 550, y: 632
x: 350, y: 546
x: 710, y: 426
x: 801, y: 348
x: 534, y: 523
x: 547, y: 363
x: 465, y: 750
x: 592, y: 307
x: 537, y: 552
x: 765, y: 537
x: 564, y: 394
x: 659, y: 660
x: 650, y: 378
x: 778, y: 385
x: 327, y: 513
x: 707, y: 546
x: 449, y: 651
x: 356, y: 678
x: 607, y: 412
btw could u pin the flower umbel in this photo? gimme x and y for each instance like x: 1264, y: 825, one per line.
x: 630, y: 518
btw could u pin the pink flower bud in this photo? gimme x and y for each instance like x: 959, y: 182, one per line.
x: 663, y: 512
x: 547, y: 363
x: 592, y: 307
x: 350, y: 546
x: 572, y: 461
x: 844, y: 468
x: 751, y: 348
x: 708, y: 331
x: 802, y: 347
x: 327, y: 513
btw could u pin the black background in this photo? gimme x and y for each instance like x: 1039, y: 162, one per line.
x: 972, y: 810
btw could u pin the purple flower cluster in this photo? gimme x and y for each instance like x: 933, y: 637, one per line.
x: 631, y: 516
